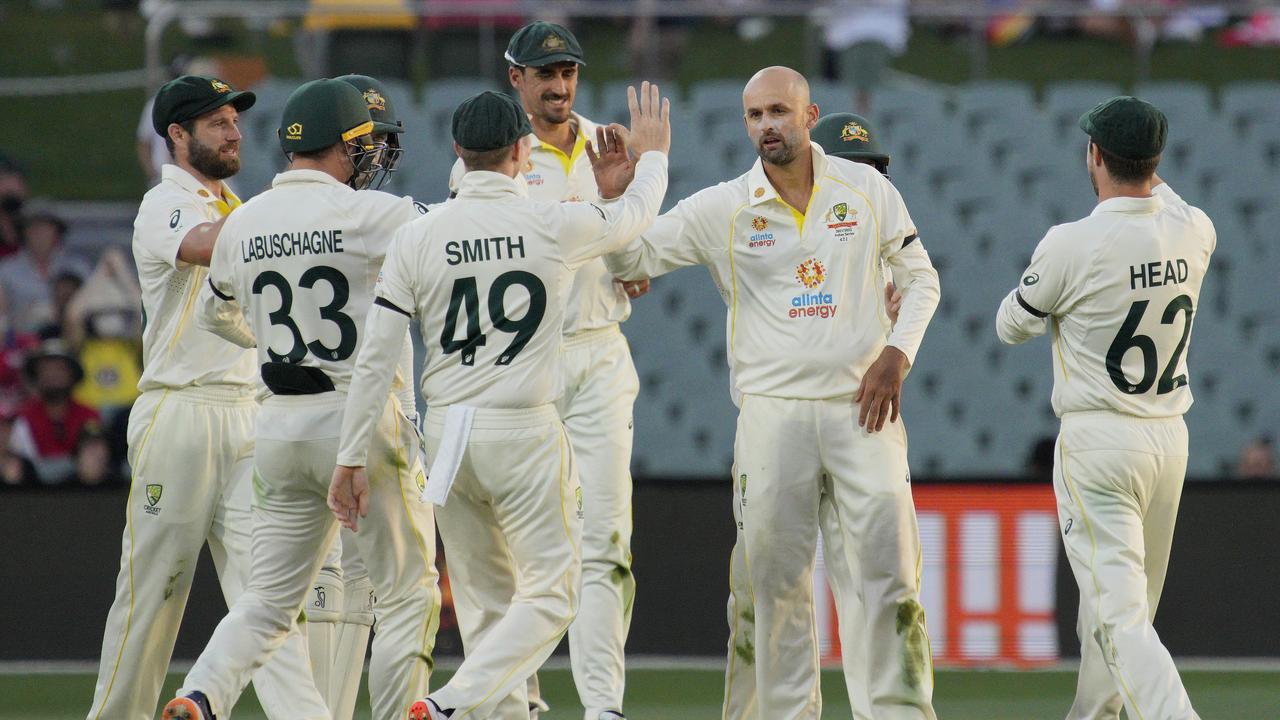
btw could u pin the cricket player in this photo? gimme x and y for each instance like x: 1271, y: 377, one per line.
x: 795, y: 246
x: 1119, y: 289
x: 848, y: 136
x: 295, y: 269
x: 489, y: 275
x: 600, y: 381
x: 191, y: 429
x: 339, y: 607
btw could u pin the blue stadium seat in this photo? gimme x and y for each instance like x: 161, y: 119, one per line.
x: 1064, y: 103
x: 1250, y: 107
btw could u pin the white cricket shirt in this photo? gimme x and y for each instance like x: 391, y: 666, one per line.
x: 595, y: 300
x: 176, y: 353
x: 804, y: 290
x: 301, y: 260
x: 1120, y: 289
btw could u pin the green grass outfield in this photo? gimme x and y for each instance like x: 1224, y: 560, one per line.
x: 695, y: 694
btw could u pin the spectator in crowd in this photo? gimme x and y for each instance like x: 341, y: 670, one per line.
x: 49, y: 424
x: 102, y: 323
x: 15, y: 471
x: 62, y: 288
x: 866, y: 36
x: 94, y: 466
x: 1257, y: 460
x: 14, y: 346
x: 13, y: 194
x: 28, y: 276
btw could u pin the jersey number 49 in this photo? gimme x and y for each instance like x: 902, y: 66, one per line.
x: 465, y: 298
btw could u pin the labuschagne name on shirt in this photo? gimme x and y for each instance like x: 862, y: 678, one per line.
x: 482, y: 249
x: 1157, y: 273
x: 290, y: 244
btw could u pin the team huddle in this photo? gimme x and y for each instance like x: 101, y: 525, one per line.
x: 278, y: 418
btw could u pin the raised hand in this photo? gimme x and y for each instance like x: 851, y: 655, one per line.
x: 610, y: 162
x: 650, y: 119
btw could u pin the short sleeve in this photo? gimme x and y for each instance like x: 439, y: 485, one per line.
x: 1046, y: 284
x: 897, y: 230
x: 163, y: 223
x: 395, y: 287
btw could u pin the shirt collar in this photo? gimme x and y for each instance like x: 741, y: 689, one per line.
x: 583, y: 126
x: 487, y: 184
x: 305, y: 176
x: 1130, y: 205
x: 188, y: 182
x: 760, y: 190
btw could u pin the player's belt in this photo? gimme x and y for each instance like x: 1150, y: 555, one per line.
x: 288, y: 379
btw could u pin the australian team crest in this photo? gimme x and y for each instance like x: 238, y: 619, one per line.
x: 841, y: 211
x: 221, y: 86
x: 553, y: 42
x: 374, y: 100
x: 153, y: 499
x: 853, y: 131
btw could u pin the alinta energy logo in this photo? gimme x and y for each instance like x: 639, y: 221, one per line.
x: 812, y: 275
x: 760, y: 238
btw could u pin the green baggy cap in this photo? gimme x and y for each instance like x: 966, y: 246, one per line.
x: 542, y: 43
x: 381, y: 110
x: 1126, y: 126
x: 848, y: 136
x: 190, y: 96
x: 489, y: 121
x: 322, y: 112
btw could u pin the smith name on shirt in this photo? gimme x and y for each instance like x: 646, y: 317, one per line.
x: 304, y: 242
x: 482, y: 249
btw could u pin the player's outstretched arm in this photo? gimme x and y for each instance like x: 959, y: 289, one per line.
x: 197, y: 245
x: 218, y: 312
x: 376, y: 365
x: 593, y: 230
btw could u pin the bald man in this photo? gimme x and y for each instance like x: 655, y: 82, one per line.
x: 795, y: 246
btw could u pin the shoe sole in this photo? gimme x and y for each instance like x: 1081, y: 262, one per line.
x: 181, y: 709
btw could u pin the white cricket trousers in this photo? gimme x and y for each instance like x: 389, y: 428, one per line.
x: 785, y: 452
x: 511, y: 527
x: 293, y: 529
x: 600, y: 388
x: 846, y: 588
x: 1118, y: 481
x: 191, y: 451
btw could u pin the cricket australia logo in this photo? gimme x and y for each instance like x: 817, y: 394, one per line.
x: 841, y: 219
x: 742, y: 487
x: 221, y: 86
x: 153, y: 499
x: 577, y: 495
x: 812, y: 274
x: 553, y: 42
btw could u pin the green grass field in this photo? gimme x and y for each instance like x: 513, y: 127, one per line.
x: 683, y: 694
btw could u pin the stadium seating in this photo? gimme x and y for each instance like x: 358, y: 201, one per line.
x: 985, y: 171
